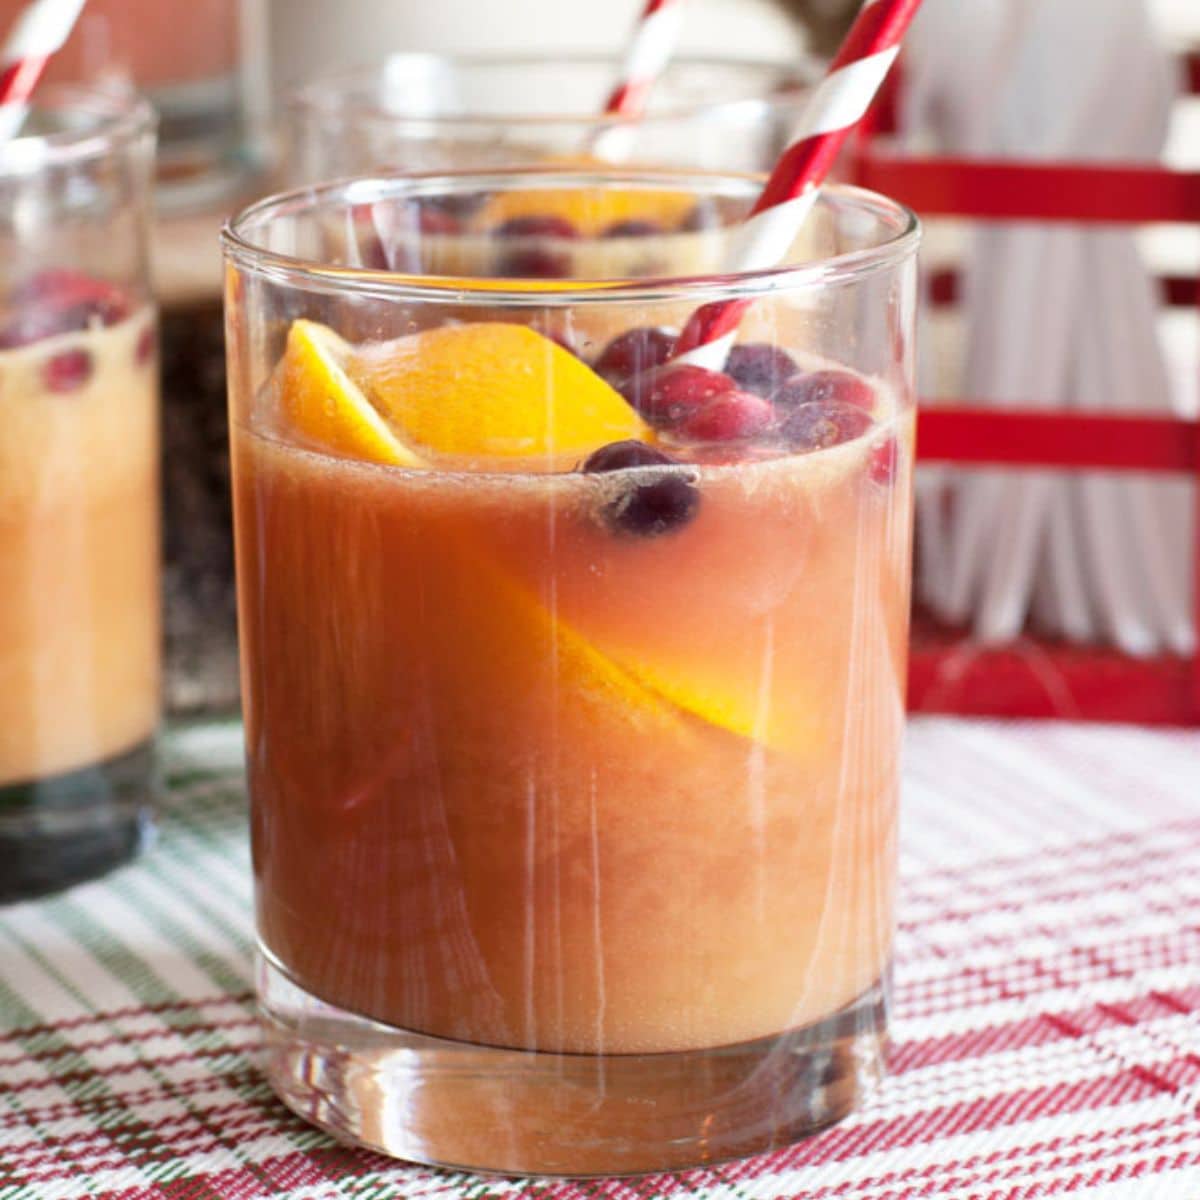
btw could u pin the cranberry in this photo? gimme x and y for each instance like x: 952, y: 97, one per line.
x: 438, y: 221
x: 729, y: 418
x: 821, y: 425
x: 547, y: 226
x: 668, y: 394
x: 818, y: 387
x: 760, y: 367
x: 632, y: 229
x: 147, y: 344
x: 68, y: 371
x: 620, y: 456
x: 458, y: 204
x: 654, y: 500
x: 62, y: 301
x: 633, y: 352
x: 533, y: 262
x: 884, y: 460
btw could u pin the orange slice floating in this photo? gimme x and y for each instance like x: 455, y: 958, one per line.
x: 492, y: 391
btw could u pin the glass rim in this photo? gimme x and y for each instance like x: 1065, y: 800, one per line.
x: 340, y: 92
x: 120, y: 118
x: 242, y: 251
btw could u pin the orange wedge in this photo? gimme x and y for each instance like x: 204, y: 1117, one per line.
x: 321, y: 402
x: 591, y: 212
x: 492, y: 391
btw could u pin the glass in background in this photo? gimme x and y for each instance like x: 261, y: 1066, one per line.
x: 197, y: 62
x: 441, y: 112
x: 79, y: 492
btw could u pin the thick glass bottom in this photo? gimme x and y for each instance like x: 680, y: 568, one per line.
x: 64, y: 829
x: 493, y: 1109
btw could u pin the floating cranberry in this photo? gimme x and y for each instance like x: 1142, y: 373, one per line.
x: 731, y: 417
x: 458, y: 204
x: 819, y: 426
x: 819, y: 387
x: 68, y: 371
x: 760, y: 367
x: 632, y: 229
x: 669, y: 394
x: 620, y: 456
x: 658, y: 496
x: 147, y: 344
x: 534, y: 262
x: 438, y: 221
x: 62, y: 301
x: 634, y: 352
x: 546, y: 226
x: 884, y: 460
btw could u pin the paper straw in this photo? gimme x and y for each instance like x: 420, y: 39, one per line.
x: 835, y: 107
x: 39, y: 31
x: 650, y: 49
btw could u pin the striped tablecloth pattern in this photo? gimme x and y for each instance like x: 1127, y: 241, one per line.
x: 1048, y: 990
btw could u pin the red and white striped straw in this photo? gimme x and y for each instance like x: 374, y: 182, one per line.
x: 39, y: 31
x: 649, y: 51
x: 836, y: 106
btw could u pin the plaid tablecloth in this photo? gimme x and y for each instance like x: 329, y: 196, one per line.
x: 1047, y: 1035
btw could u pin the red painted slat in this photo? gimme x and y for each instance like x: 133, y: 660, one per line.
x: 995, y: 190
x: 1078, y: 440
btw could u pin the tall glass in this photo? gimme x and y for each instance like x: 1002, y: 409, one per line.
x: 573, y: 683
x: 197, y: 63
x: 79, y: 605
x: 428, y: 112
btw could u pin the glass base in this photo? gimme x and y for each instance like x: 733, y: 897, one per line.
x: 486, y: 1108
x: 64, y: 829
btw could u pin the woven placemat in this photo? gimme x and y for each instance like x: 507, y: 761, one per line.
x: 1048, y: 981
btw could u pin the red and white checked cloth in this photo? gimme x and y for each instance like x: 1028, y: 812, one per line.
x: 1047, y: 1032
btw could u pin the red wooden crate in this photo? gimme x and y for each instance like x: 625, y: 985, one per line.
x: 1034, y: 677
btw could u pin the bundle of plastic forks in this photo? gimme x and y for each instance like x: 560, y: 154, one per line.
x: 1058, y: 316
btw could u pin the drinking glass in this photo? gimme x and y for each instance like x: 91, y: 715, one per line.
x: 441, y: 112
x: 573, y: 679
x: 200, y: 66
x: 79, y: 506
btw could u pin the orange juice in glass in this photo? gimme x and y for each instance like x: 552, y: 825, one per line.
x: 573, y: 678
x: 79, y: 505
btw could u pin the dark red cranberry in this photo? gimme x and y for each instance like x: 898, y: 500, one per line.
x: 632, y: 229
x: 62, y: 301
x: 460, y: 205
x: 884, y: 460
x: 760, y: 367
x: 534, y: 262
x: 620, y: 456
x: 147, y: 344
x: 819, y: 387
x: 669, y: 394
x: 819, y: 426
x: 68, y: 371
x: 547, y: 226
x: 438, y: 221
x: 658, y: 497
x: 634, y: 352
x: 729, y: 418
